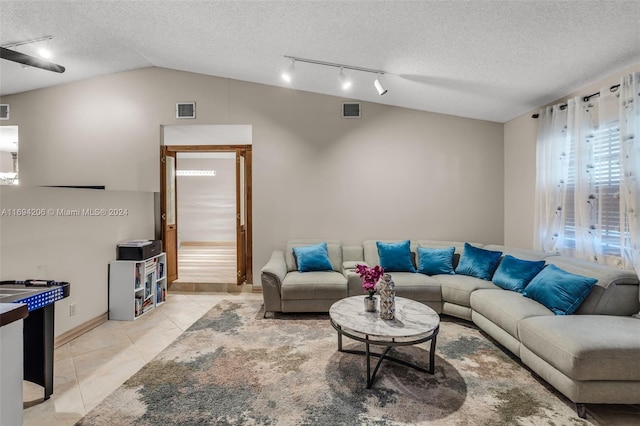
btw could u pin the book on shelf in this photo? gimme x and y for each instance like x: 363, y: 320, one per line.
x: 147, y: 304
x: 137, y: 309
x: 137, y: 274
x: 161, y: 294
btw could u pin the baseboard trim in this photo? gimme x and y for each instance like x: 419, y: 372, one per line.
x: 80, y: 330
x: 256, y: 289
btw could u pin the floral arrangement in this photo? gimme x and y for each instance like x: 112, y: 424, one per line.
x: 370, y: 277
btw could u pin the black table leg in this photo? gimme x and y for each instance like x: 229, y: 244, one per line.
x: 38, y: 348
x: 432, y: 355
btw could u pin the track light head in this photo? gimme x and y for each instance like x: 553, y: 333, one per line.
x: 379, y: 87
x: 288, y: 74
x: 345, y: 83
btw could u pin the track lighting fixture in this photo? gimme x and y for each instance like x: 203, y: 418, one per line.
x: 288, y: 74
x: 345, y: 81
x: 379, y: 87
x: 7, y: 52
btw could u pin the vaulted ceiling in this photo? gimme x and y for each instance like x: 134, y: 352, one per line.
x: 490, y: 60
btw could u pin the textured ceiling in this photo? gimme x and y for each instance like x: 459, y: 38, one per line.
x: 486, y: 59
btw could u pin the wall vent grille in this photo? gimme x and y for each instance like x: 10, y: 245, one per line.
x: 351, y: 110
x: 4, y: 111
x: 186, y: 110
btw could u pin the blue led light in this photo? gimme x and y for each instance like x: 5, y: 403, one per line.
x: 41, y: 300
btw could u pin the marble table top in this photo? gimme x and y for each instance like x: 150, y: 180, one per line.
x: 413, y: 320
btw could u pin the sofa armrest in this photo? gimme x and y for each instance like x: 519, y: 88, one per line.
x: 272, y: 275
x: 354, y: 283
x: 350, y: 265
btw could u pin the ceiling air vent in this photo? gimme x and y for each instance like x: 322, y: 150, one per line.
x: 4, y: 111
x: 351, y: 110
x: 186, y: 110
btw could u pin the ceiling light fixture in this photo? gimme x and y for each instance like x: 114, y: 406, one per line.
x: 345, y: 82
x: 379, y: 87
x: 45, y: 51
x: 288, y: 74
x: 7, y: 52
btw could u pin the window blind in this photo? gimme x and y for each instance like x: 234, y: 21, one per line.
x: 604, y: 173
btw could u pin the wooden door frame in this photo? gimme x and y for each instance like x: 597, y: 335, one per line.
x: 248, y: 184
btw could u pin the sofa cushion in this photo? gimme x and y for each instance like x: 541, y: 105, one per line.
x: 586, y: 347
x: 458, y: 288
x: 334, y: 249
x: 435, y: 261
x: 312, y: 258
x: 506, y: 308
x: 514, y: 274
x: 395, y: 257
x: 477, y: 262
x: 559, y: 290
x: 615, y: 293
x: 458, y: 245
x: 411, y: 285
x: 314, y: 285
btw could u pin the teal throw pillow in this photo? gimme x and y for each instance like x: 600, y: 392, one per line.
x: 477, y: 262
x: 560, y: 291
x: 514, y: 274
x: 313, y: 258
x: 432, y: 261
x: 395, y: 257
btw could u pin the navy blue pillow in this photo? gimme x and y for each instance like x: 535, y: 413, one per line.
x: 477, y: 262
x: 395, y: 257
x: 313, y: 258
x: 560, y: 291
x: 514, y: 274
x: 432, y: 261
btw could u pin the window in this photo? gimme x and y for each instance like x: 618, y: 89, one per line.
x: 605, y: 179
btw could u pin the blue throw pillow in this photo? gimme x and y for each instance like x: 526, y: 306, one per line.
x: 477, y: 262
x: 560, y: 291
x: 395, y: 257
x: 514, y: 274
x: 313, y: 258
x: 433, y: 261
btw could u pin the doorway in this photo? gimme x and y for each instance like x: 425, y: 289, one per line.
x: 206, y: 207
x: 9, y: 155
x: 206, y: 216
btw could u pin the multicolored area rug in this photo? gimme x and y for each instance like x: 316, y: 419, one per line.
x: 232, y: 367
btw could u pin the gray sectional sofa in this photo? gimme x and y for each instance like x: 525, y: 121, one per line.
x: 591, y: 356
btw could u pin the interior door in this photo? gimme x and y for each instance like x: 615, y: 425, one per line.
x: 169, y: 211
x: 241, y: 216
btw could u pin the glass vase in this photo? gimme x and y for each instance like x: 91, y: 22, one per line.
x: 387, y: 292
x: 370, y: 304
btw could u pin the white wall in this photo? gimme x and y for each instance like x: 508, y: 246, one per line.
x: 520, y: 167
x: 395, y: 173
x: 76, y: 249
x: 207, y: 204
x: 6, y: 161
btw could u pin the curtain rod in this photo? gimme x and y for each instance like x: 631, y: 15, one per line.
x: 584, y: 98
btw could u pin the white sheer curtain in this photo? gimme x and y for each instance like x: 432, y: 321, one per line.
x: 588, y: 177
x: 629, y: 102
x: 552, y: 159
x: 595, y: 177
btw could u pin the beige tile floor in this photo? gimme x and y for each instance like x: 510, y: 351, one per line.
x: 93, y: 365
x: 90, y: 367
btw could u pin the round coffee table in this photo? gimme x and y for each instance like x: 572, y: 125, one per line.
x: 414, y: 323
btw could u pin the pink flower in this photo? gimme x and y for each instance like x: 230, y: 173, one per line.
x: 370, y: 277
